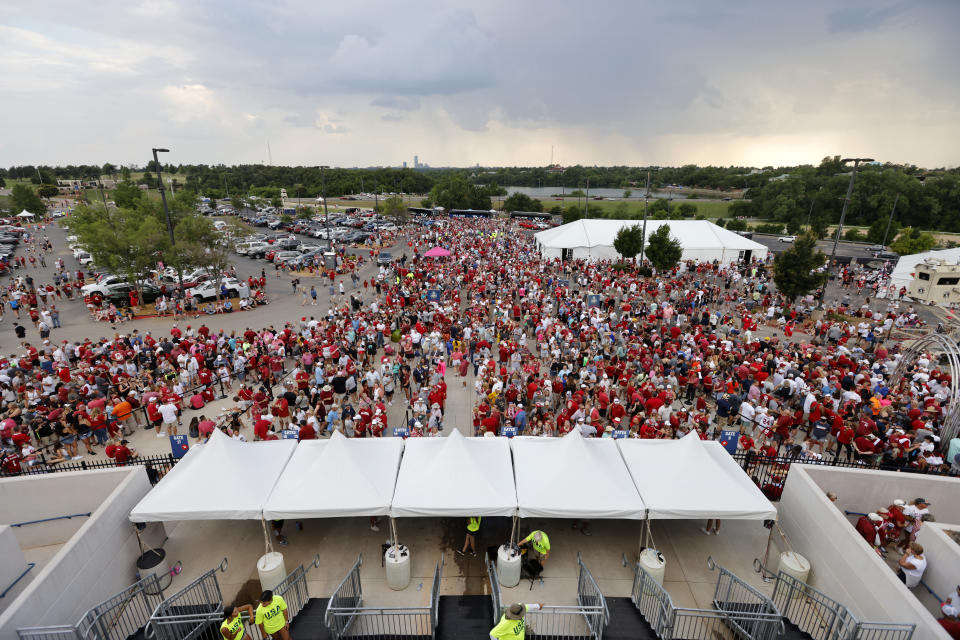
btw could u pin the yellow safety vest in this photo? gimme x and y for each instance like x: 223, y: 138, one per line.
x: 271, y: 616
x: 509, y: 629
x: 541, y: 546
x: 229, y: 628
x: 473, y: 524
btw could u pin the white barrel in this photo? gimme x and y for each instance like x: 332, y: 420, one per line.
x: 796, y: 566
x: 272, y: 570
x: 653, y: 562
x: 155, y: 561
x: 508, y: 565
x: 397, y: 562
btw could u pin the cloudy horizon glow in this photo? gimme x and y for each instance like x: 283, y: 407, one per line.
x: 496, y: 84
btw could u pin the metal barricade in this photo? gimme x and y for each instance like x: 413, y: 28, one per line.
x: 198, y: 607
x: 823, y: 618
x: 740, y: 610
x: 585, y: 620
x: 192, y: 610
x: 347, y: 617
x: 116, y: 618
x: 749, y: 613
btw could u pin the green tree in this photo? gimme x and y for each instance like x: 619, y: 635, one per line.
x: 793, y: 225
x: 734, y: 224
x: 456, y: 192
x: 23, y: 197
x: 47, y: 190
x: 305, y: 212
x: 878, y: 230
x: 125, y: 174
x: 687, y: 210
x: 108, y: 169
x: 663, y: 252
x: 276, y: 202
x: 627, y: 193
x: 629, y: 241
x: 911, y: 241
x: 394, y: 208
x: 795, y: 270
x: 572, y: 213
x: 818, y: 226
x: 3, y: 182
x: 127, y: 195
x: 522, y: 202
x: 852, y: 235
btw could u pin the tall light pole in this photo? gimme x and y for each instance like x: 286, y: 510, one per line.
x: 890, y: 221
x: 846, y: 201
x: 326, y: 216
x: 643, y: 234
x: 166, y: 212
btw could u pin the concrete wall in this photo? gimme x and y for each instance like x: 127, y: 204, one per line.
x: 12, y: 566
x: 96, y: 563
x: 864, y: 492
x: 943, y: 558
x: 843, y: 565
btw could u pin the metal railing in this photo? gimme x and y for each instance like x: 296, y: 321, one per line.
x: 743, y: 611
x: 347, y: 617
x: 198, y: 607
x: 823, y: 618
x: 585, y: 621
x: 116, y: 618
x: 191, y: 610
x: 160, y: 464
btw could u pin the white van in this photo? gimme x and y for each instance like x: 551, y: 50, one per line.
x: 219, y: 225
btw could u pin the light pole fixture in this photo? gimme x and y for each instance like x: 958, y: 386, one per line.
x: 166, y: 211
x: 846, y: 200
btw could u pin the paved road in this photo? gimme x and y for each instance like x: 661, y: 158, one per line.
x: 844, y: 249
x: 285, y: 306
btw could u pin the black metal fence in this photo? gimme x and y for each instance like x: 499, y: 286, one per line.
x: 770, y: 473
x: 157, y: 466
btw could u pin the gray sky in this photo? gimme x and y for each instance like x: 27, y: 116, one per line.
x: 497, y: 83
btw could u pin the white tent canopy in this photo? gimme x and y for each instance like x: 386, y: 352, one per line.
x: 573, y: 477
x: 690, y: 478
x: 24, y: 214
x: 455, y: 476
x: 224, y: 479
x: 701, y: 240
x: 339, y: 477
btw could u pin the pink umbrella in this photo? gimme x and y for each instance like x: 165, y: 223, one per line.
x: 437, y: 252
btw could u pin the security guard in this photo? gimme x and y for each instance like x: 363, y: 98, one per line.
x: 473, y: 532
x: 232, y: 626
x: 272, y: 617
x: 540, y: 543
x: 512, y: 625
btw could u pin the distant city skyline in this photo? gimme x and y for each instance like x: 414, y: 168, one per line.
x: 752, y: 83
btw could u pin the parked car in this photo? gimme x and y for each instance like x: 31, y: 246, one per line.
x: 786, y: 238
x: 210, y: 289
x: 102, y: 285
x: 119, y: 294
x: 385, y: 258
x: 258, y: 249
x: 285, y: 256
x: 876, y: 248
x: 886, y: 255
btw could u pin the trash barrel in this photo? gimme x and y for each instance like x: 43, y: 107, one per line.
x: 653, y: 562
x: 272, y: 570
x: 796, y: 566
x: 508, y: 565
x: 397, y: 561
x: 155, y: 561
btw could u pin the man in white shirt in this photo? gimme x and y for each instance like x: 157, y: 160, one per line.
x: 912, y: 565
x: 169, y: 412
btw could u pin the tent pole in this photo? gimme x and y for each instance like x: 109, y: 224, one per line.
x: 267, y: 544
x: 513, y: 532
x: 766, y: 555
x: 393, y: 531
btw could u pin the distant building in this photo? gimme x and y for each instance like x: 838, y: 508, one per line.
x: 404, y: 164
x: 416, y: 162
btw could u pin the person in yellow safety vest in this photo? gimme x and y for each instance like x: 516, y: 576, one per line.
x: 272, y: 617
x: 473, y: 532
x: 232, y: 626
x: 540, y: 543
x: 512, y: 626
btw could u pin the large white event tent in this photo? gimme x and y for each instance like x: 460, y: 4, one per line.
x: 690, y: 478
x: 224, y: 479
x: 573, y: 477
x: 592, y: 239
x: 455, y: 476
x: 339, y: 477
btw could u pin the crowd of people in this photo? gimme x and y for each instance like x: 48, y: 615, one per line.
x: 543, y: 346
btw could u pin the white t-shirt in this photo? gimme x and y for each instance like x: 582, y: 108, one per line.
x: 914, y: 575
x: 169, y: 413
